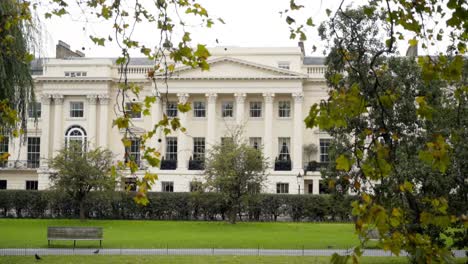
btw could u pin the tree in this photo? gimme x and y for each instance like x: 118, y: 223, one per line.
x: 398, y: 133
x: 236, y: 170
x: 78, y: 172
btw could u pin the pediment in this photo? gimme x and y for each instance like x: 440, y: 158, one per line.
x: 231, y: 68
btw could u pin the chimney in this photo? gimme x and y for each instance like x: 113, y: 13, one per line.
x: 301, y: 45
x: 412, y: 51
x: 62, y: 51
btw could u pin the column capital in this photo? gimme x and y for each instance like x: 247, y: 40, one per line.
x: 58, y: 99
x: 45, y: 99
x: 92, y: 98
x: 240, y: 97
x: 268, y: 97
x: 298, y: 97
x: 211, y: 97
x: 183, y: 97
x: 103, y: 99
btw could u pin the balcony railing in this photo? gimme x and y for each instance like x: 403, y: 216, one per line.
x: 168, y: 164
x: 283, y: 164
x: 19, y: 164
x: 315, y: 166
x: 195, y: 164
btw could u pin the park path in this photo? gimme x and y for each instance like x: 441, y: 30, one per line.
x: 197, y: 251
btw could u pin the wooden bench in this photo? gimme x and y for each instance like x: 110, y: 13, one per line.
x: 75, y: 233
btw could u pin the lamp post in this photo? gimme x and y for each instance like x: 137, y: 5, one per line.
x: 299, y: 178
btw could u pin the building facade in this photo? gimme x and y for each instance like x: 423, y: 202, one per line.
x: 266, y: 91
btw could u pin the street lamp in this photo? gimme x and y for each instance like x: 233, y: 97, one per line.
x: 299, y: 178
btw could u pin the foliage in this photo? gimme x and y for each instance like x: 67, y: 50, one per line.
x: 236, y: 170
x: 395, y: 129
x: 16, y: 85
x: 78, y: 172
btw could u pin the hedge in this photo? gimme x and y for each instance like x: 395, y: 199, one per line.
x: 176, y: 206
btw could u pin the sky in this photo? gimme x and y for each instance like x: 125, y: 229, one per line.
x: 249, y: 23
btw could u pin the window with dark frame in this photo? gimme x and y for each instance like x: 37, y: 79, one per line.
x: 282, y: 187
x: 284, y: 144
x: 133, y: 151
x: 131, y: 110
x: 255, y: 142
x: 76, y: 109
x: 34, y: 110
x: 171, y: 148
x: 130, y: 184
x: 324, y: 147
x: 31, y: 185
x: 256, y: 109
x: 199, y: 109
x: 199, y: 148
x: 284, y: 109
x: 34, y: 152
x: 227, y: 109
x: 4, y: 141
x: 3, y: 184
x: 167, y: 186
x: 171, y: 109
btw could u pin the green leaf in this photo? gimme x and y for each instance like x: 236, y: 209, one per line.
x: 290, y: 20
x: 343, y: 163
x: 310, y: 22
x: 413, y: 42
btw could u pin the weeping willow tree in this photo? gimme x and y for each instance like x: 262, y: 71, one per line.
x: 16, y: 84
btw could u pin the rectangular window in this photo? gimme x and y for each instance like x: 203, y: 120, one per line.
x: 3, y: 184
x: 31, y: 185
x: 133, y: 110
x: 196, y: 186
x: 4, y: 140
x: 284, y: 144
x: 130, y: 184
x: 167, y: 186
x: 283, y: 65
x: 171, y: 148
x: 171, y: 109
x: 284, y: 109
x: 282, y: 188
x: 199, y: 148
x: 255, y: 109
x: 133, y: 152
x: 324, y: 146
x: 255, y: 142
x: 34, y: 110
x: 227, y: 109
x: 199, y: 109
x: 76, y: 109
x: 34, y: 152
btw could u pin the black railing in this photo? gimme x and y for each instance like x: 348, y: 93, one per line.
x: 315, y: 166
x: 282, y: 165
x: 168, y: 164
x: 19, y: 164
x: 196, y: 164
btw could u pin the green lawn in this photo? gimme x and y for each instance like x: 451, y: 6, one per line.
x: 20, y: 233
x: 194, y: 259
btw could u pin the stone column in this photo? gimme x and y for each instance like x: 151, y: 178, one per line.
x: 156, y: 116
x: 103, y: 120
x: 45, y: 129
x: 268, y: 129
x: 58, y: 124
x: 92, y: 114
x: 183, y: 148
x: 240, y: 107
x: 297, y: 134
x: 211, y: 124
x: 315, y: 186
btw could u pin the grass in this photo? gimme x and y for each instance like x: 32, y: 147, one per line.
x: 31, y: 233
x: 195, y: 259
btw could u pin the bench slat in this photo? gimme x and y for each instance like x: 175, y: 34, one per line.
x: 74, y: 233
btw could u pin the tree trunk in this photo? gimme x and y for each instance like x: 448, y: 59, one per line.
x: 82, y: 211
x: 232, y: 216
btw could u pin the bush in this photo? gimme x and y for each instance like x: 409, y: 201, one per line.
x: 176, y: 206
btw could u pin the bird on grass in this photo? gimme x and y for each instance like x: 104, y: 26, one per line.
x: 37, y: 257
x: 96, y: 251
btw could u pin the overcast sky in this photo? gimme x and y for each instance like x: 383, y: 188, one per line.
x: 249, y: 23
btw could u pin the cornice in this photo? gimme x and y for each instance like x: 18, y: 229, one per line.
x: 73, y: 80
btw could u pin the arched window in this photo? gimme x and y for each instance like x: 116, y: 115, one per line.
x: 76, y: 136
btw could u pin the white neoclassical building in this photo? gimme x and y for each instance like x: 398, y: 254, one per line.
x: 267, y: 91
